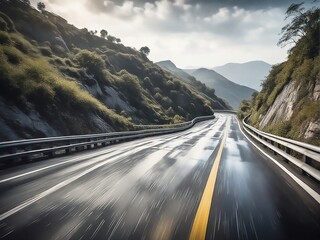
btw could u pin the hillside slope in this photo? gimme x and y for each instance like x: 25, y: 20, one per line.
x: 233, y: 93
x: 171, y: 67
x: 250, y: 74
x: 191, y: 80
x: 56, y: 79
x: 289, y: 102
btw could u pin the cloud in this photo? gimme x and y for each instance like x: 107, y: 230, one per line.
x: 247, y: 4
x: 203, y: 33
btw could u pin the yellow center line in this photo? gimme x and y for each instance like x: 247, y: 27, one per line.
x: 199, y: 227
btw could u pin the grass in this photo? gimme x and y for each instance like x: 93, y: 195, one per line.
x: 42, y: 75
x: 46, y: 51
x: 34, y: 80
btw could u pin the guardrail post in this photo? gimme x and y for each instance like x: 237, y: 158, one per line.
x: 288, y: 151
x: 51, y: 154
x: 277, y: 146
x: 307, y: 159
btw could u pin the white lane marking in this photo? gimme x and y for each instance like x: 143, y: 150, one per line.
x: 74, y: 159
x: 308, y: 189
x: 60, y: 185
x: 175, y: 153
x: 54, y: 165
x: 81, y: 158
x: 70, y: 180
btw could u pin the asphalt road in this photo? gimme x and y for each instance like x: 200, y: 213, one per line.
x: 152, y: 188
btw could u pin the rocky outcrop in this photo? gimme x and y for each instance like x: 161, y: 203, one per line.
x: 282, y: 108
x: 17, y: 123
x: 316, y: 90
x: 313, y: 129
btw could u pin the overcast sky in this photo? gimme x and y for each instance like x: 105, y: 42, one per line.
x: 191, y: 33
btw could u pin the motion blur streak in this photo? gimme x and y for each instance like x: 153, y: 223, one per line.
x: 151, y: 189
x: 199, y: 227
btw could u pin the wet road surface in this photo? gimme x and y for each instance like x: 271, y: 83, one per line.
x: 151, y: 189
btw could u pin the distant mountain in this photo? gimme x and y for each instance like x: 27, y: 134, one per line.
x: 233, y: 93
x: 249, y: 74
x: 191, y: 80
x: 171, y: 67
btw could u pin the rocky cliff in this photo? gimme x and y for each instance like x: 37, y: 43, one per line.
x: 289, y: 102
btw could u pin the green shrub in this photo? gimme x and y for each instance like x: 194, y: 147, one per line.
x: 281, y: 128
x: 71, y: 72
x: 13, y: 55
x: 59, y: 50
x: 46, y: 51
x: 68, y: 62
x: 130, y: 85
x: 92, y: 62
x: 34, y: 43
x: 22, y: 44
x: 4, y: 38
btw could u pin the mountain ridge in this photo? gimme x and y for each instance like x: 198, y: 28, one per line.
x: 225, y: 88
x: 221, y: 85
x: 250, y: 74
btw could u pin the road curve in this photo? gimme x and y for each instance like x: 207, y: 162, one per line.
x: 154, y: 188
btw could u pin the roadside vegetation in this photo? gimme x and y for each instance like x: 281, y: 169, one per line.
x: 302, y: 68
x: 57, y: 69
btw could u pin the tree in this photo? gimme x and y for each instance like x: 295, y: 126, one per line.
x: 303, y: 21
x: 103, y: 33
x: 111, y: 38
x: 41, y: 6
x: 145, y: 50
x: 118, y: 40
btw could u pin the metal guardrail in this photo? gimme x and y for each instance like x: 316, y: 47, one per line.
x: 30, y: 149
x: 178, y: 124
x: 286, y: 147
x: 225, y: 111
x: 142, y: 126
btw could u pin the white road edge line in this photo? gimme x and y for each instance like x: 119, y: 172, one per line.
x: 51, y: 190
x: 54, y: 165
x: 308, y: 189
x: 62, y: 184
x: 74, y: 159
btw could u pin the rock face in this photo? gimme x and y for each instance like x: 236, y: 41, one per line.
x: 16, y: 123
x: 282, y: 108
x: 313, y: 128
x: 13, y: 120
x: 294, y: 112
x: 316, y: 90
x: 288, y: 104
